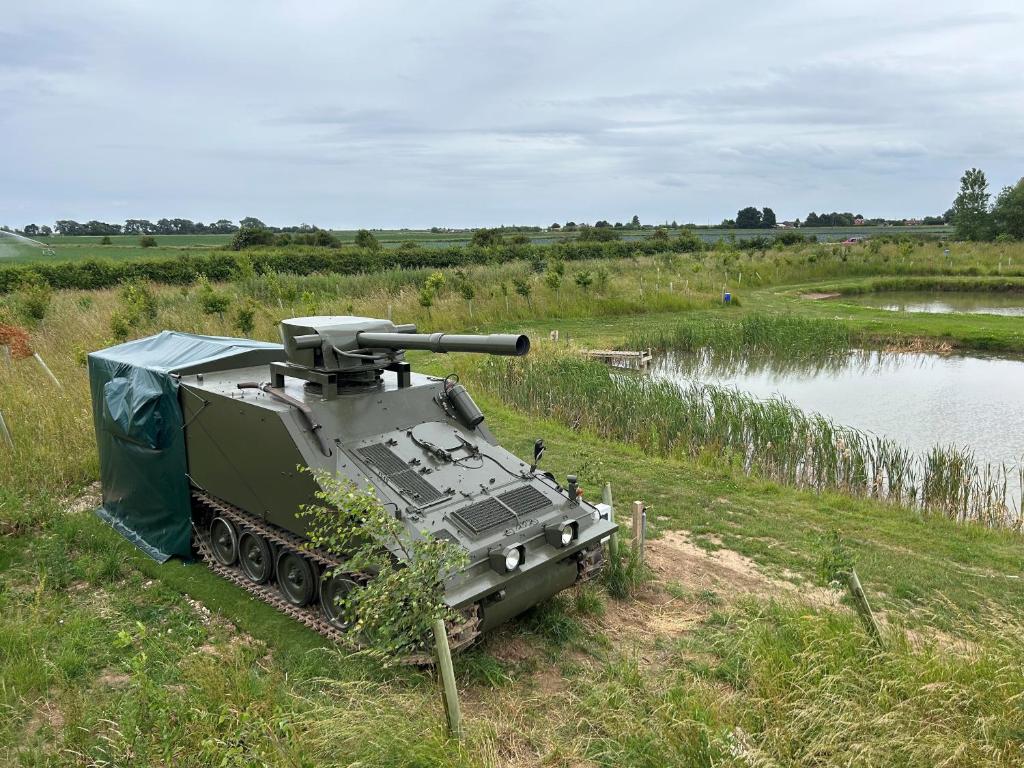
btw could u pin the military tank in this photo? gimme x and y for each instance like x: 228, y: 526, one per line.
x: 228, y: 425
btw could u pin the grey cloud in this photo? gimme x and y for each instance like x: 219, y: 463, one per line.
x: 472, y: 113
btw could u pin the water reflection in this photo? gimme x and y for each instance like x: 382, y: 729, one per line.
x: 944, y: 302
x: 919, y: 400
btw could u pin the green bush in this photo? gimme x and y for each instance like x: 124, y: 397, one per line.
x: 147, y: 241
x: 249, y: 237
x: 366, y: 239
x: 106, y: 240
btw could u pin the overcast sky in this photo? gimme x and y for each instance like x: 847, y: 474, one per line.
x: 389, y: 114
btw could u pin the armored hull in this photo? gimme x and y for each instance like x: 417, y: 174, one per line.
x: 338, y: 396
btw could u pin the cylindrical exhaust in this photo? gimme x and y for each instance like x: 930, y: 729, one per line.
x: 492, y: 344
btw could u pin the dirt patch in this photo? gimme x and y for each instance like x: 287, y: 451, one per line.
x: 514, y: 649
x: 689, y: 582
x: 86, y: 501
x: 110, y: 678
x: 675, y: 558
x: 820, y: 296
x: 47, y: 714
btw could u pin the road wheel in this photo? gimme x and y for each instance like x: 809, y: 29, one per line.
x: 224, y: 541
x: 295, y: 578
x: 255, y: 557
x: 332, y: 590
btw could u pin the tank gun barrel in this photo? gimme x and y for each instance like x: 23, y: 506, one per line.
x: 493, y: 344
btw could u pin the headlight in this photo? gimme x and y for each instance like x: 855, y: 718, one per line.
x: 507, y: 559
x: 512, y: 559
x: 560, y: 534
x: 566, y: 534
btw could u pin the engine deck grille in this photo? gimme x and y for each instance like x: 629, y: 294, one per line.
x: 483, y: 515
x: 390, y: 466
x: 524, y: 500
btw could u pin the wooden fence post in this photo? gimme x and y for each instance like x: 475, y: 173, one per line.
x: 450, y: 693
x: 613, y: 539
x: 860, y: 601
x: 639, y: 528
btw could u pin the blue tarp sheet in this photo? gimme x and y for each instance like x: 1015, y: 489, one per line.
x: 139, y: 430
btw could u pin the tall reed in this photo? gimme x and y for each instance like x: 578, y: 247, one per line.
x: 768, y: 438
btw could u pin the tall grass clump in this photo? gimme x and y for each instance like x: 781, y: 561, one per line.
x: 758, y: 333
x: 816, y: 693
x: 768, y: 438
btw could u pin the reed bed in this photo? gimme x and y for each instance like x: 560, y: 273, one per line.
x: 790, y: 335
x: 768, y: 438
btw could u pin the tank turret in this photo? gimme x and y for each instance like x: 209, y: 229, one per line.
x: 332, y: 352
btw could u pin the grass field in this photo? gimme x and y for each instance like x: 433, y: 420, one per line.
x: 127, y: 246
x: 737, y: 653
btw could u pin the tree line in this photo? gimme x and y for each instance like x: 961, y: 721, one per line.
x: 71, y: 228
x: 978, y: 217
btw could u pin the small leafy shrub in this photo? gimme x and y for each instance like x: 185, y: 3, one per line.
x: 147, y: 241
x: 212, y: 301
x: 244, y: 320
x: 393, y: 612
x: 33, y: 301
x: 836, y: 558
x: 583, y: 279
x: 106, y: 240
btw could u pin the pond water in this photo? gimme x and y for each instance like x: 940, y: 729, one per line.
x: 943, y: 302
x: 918, y: 400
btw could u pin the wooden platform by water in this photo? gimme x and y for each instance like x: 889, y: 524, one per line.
x: 623, y: 358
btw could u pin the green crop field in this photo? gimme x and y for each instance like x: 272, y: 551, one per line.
x: 123, y: 247
x: 735, y: 649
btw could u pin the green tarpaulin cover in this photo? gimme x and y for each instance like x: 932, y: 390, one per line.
x: 139, y: 430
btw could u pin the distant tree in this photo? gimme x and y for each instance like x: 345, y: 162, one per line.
x: 1008, y: 212
x: 366, y: 239
x: 147, y: 241
x: 31, y: 230
x: 486, y: 237
x: 748, y: 218
x: 602, y: 234
x: 251, y: 222
x: 601, y: 223
x: 768, y: 218
x: 970, y: 208
x: 556, y: 225
x: 249, y: 237
x: 570, y: 226
x: 635, y: 221
x: 106, y: 240
x: 45, y: 231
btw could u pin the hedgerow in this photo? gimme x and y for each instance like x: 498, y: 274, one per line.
x: 90, y: 274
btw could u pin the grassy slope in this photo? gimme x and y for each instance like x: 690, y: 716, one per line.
x: 104, y: 656
x: 82, y: 675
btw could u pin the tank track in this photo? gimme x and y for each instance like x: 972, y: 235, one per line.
x: 460, y: 635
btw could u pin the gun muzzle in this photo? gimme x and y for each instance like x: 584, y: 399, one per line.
x: 492, y: 344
